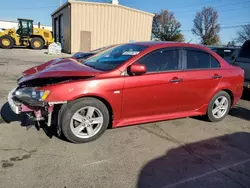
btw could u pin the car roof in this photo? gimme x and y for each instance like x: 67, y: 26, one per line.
x: 153, y: 43
x: 246, y: 42
x: 162, y: 44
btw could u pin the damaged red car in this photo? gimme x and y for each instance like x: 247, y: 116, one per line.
x: 128, y: 84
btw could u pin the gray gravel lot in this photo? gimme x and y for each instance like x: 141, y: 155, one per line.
x: 182, y: 153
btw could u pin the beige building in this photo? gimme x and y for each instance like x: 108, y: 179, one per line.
x: 84, y: 26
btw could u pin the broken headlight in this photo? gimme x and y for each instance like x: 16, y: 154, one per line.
x: 40, y: 95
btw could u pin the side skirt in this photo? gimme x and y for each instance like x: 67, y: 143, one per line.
x: 161, y: 117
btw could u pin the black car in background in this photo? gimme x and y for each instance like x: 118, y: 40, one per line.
x: 227, y: 53
x: 242, y: 60
x: 80, y: 56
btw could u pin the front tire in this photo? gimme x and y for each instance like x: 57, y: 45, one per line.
x: 84, y: 120
x: 219, y: 106
x: 37, y: 43
x: 6, y: 42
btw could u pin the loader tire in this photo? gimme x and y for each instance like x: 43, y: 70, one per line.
x: 37, y: 43
x: 6, y: 42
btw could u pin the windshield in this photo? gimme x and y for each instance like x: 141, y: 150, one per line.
x: 80, y: 55
x: 114, y: 57
x: 101, y: 49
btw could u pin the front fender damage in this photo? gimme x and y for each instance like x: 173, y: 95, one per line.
x: 38, y: 110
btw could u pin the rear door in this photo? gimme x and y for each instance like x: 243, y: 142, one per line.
x: 202, y: 75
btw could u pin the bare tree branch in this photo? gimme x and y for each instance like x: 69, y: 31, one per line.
x: 243, y: 34
x: 206, y: 26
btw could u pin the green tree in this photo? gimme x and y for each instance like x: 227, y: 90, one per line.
x: 166, y: 27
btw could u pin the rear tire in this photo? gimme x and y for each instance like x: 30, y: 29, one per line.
x: 6, y: 42
x: 219, y: 106
x: 79, y: 125
x: 37, y: 43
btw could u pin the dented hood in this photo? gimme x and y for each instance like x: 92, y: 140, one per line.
x: 58, y: 68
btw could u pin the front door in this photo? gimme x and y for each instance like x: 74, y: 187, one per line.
x: 157, y: 91
x: 202, y: 75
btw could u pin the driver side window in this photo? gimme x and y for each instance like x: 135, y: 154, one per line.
x: 162, y: 60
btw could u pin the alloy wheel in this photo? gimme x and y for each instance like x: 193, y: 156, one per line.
x: 220, y: 107
x: 86, y: 122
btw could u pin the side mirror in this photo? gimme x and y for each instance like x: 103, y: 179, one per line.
x: 137, y: 69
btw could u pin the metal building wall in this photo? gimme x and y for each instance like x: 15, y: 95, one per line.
x: 65, y: 12
x: 109, y: 24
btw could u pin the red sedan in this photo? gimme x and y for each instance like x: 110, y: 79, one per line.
x: 128, y: 84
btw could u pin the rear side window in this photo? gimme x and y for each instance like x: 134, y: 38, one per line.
x: 200, y: 60
x: 245, y: 51
x: 214, y: 62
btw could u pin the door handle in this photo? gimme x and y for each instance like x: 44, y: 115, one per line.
x: 216, y: 76
x: 174, y: 80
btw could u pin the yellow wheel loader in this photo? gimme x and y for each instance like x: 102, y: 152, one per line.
x: 26, y: 35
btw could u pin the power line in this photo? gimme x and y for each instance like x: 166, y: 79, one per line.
x: 238, y: 21
x: 191, y: 5
x: 224, y: 27
x: 220, y: 11
x: 233, y: 26
x: 222, y: 6
x: 218, y: 6
x: 237, y: 3
x: 248, y: 7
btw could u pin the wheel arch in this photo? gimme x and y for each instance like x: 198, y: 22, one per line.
x: 36, y: 36
x: 227, y: 90
x: 231, y: 95
x: 105, y: 101
x: 62, y: 107
x: 13, y: 40
x: 209, y: 114
x: 39, y: 38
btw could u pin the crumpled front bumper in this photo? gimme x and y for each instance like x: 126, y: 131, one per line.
x: 28, y: 101
x: 35, y: 109
x: 14, y: 106
x: 20, y: 104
